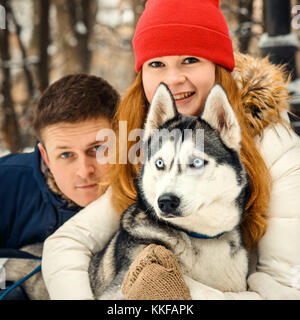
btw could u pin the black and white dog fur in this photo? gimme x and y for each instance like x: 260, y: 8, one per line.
x: 190, y: 199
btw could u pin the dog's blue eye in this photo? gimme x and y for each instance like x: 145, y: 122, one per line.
x: 160, y: 164
x: 197, y: 163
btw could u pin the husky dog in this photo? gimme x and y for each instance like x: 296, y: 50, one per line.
x: 190, y: 198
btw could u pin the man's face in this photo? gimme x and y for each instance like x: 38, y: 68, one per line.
x: 69, y: 151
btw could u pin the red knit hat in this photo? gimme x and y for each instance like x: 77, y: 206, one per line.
x: 182, y: 27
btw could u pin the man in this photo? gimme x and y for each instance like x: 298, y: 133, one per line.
x: 39, y: 191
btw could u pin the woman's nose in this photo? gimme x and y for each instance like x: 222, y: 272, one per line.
x: 174, y: 76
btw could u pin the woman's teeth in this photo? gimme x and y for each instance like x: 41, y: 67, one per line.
x: 183, y: 95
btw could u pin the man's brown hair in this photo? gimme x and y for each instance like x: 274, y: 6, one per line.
x: 75, y: 98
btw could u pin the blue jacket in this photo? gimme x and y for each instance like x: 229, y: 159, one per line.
x: 29, y: 210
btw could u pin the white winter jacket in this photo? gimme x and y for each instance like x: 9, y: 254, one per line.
x: 68, y: 251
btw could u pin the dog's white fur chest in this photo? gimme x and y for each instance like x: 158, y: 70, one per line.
x: 219, y: 263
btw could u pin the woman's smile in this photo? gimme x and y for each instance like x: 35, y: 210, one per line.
x: 183, y: 96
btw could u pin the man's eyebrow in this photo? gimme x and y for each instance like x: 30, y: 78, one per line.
x: 63, y: 147
x: 95, y: 143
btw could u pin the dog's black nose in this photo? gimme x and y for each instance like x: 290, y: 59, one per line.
x: 168, y: 203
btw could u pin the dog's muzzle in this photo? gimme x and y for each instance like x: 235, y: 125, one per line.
x: 168, y: 203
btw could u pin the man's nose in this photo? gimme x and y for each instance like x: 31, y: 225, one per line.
x: 86, y: 167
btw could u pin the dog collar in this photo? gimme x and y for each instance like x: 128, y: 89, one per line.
x: 203, y: 236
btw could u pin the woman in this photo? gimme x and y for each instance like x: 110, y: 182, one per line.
x: 187, y: 46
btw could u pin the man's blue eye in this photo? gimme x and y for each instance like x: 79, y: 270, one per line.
x: 160, y: 165
x: 65, y: 155
x: 96, y: 148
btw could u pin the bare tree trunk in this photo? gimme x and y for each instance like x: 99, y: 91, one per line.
x: 34, y: 41
x: 264, y: 15
x: 82, y: 18
x: 83, y: 38
x: 43, y: 70
x: 27, y: 112
x: 27, y: 72
x: 34, y: 48
x: 138, y: 7
x: 67, y: 54
x: 9, y: 127
x: 245, y: 32
x: 76, y: 18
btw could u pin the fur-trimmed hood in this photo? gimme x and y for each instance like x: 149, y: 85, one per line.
x: 263, y: 88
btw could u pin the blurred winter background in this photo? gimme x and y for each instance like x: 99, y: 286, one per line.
x: 46, y: 39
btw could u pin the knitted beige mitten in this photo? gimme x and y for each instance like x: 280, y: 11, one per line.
x: 155, y: 275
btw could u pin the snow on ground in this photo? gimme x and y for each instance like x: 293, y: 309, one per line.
x: 4, y: 152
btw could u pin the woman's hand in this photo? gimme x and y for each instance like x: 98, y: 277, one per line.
x: 155, y: 275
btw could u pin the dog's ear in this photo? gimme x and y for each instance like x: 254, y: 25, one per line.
x: 162, y: 109
x: 219, y: 114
